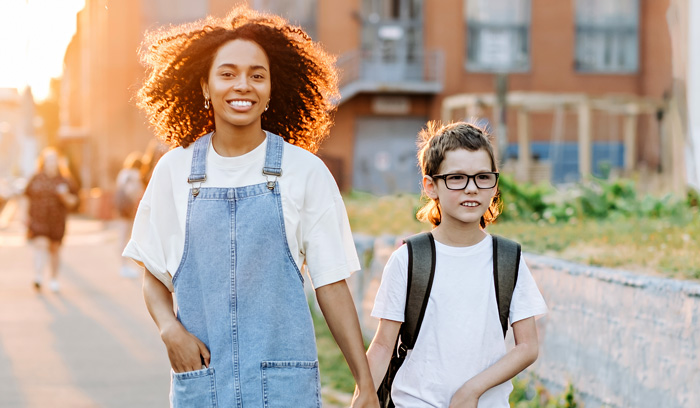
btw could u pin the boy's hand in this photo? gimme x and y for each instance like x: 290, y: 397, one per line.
x: 364, y: 398
x: 185, y: 351
x: 463, y: 398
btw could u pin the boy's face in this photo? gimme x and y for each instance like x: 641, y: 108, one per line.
x: 466, y: 206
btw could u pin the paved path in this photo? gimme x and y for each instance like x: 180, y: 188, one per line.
x: 91, y: 345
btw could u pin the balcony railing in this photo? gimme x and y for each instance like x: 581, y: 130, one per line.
x: 418, y: 73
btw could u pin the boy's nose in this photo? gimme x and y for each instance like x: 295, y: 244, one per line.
x: 471, y: 184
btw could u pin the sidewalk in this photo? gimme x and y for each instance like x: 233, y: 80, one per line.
x: 91, y: 345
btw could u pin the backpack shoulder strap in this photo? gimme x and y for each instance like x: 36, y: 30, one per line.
x: 421, y: 270
x: 506, y: 263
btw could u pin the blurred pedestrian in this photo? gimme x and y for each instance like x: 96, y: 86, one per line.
x: 232, y: 214
x: 52, y: 195
x: 154, y: 151
x: 127, y: 195
x: 459, y: 358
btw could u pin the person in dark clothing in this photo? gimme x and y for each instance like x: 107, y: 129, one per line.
x: 52, y: 194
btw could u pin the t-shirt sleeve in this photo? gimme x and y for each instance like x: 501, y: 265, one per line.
x: 327, y: 243
x: 527, y: 300
x: 155, y: 222
x: 390, y: 302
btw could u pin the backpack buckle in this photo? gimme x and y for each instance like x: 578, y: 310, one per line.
x: 403, y: 350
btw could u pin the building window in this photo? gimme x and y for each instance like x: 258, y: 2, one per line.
x: 607, y: 36
x: 498, y: 35
x: 393, y: 29
x: 300, y: 12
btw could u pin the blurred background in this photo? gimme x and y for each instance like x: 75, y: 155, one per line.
x: 570, y: 88
x: 594, y: 106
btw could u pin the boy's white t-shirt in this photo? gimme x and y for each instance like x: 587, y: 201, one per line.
x: 461, y: 333
x: 315, y: 220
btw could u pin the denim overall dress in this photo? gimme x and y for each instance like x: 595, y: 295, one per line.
x: 240, y: 292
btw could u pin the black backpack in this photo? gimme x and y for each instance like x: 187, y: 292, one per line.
x: 421, y: 270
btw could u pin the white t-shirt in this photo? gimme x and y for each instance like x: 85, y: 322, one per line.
x: 461, y: 333
x: 315, y: 220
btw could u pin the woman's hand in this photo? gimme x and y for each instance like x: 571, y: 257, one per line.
x: 364, y: 397
x: 69, y: 200
x: 185, y: 351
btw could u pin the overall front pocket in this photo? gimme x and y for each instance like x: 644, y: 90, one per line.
x: 193, y: 389
x: 290, y: 384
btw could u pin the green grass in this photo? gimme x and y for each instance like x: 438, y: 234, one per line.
x: 648, y: 246
x: 528, y: 392
x: 334, y: 370
x: 375, y: 216
x: 668, y: 246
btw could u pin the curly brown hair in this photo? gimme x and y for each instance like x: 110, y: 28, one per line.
x: 303, y: 77
x: 434, y: 142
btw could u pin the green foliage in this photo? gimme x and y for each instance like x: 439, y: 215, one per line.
x: 528, y: 392
x: 693, y: 198
x: 375, y: 215
x: 599, y: 223
x: 595, y: 198
x: 334, y: 370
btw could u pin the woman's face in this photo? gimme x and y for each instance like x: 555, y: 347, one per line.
x: 239, y: 84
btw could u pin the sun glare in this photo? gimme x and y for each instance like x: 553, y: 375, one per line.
x: 34, y: 35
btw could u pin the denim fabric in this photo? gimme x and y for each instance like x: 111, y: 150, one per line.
x: 239, y: 290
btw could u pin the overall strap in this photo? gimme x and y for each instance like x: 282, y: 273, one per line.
x: 273, y: 159
x: 506, y: 263
x: 198, y: 171
x: 421, y: 271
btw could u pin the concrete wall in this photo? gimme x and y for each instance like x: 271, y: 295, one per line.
x: 622, y: 339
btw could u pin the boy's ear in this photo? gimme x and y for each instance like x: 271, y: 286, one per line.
x: 429, y: 187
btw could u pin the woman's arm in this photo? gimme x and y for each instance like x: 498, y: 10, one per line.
x: 380, y: 350
x: 185, y: 351
x: 516, y: 360
x: 339, y: 310
x: 66, y: 195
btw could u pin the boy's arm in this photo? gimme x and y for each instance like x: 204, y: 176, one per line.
x: 339, y: 311
x: 516, y: 360
x: 185, y: 351
x: 380, y: 350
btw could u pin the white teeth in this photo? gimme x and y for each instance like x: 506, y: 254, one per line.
x: 470, y: 204
x: 241, y: 103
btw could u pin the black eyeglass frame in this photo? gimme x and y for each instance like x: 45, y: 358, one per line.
x: 469, y: 177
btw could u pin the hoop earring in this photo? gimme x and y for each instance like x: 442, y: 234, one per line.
x: 206, y: 103
x: 267, y: 106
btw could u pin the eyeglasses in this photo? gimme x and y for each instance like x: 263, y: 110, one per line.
x: 458, y: 181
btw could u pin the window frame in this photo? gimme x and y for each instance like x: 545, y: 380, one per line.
x: 473, y: 25
x: 611, y: 29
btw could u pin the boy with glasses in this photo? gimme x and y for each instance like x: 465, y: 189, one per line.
x: 459, y: 358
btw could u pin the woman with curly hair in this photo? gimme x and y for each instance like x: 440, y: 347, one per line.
x: 233, y: 214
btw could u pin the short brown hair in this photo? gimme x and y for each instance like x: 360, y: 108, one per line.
x: 433, y: 144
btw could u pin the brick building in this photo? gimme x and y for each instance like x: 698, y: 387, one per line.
x: 400, y: 60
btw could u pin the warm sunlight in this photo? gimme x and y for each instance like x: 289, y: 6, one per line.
x: 33, y: 39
